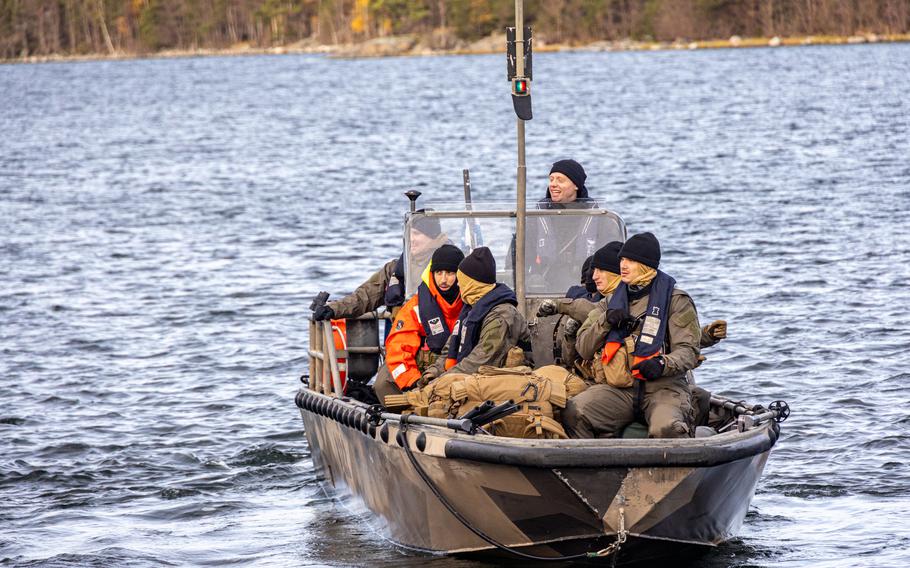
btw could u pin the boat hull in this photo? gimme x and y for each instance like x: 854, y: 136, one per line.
x: 506, y: 490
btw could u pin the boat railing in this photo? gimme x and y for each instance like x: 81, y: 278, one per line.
x: 326, y: 378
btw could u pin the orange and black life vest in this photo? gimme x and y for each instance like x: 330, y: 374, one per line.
x: 653, y: 327
x: 433, y: 319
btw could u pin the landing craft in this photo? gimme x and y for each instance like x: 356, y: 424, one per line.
x: 443, y: 486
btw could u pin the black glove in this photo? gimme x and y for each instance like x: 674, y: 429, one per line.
x: 619, y: 319
x: 323, y: 312
x: 546, y: 308
x: 614, y: 317
x: 650, y: 369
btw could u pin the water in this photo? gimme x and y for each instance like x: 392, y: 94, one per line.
x: 165, y: 223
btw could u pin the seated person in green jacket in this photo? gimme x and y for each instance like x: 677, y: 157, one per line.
x: 489, y: 324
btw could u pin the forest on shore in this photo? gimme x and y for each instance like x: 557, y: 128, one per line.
x: 30, y: 28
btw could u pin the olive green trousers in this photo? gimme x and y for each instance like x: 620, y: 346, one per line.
x: 603, y: 411
x: 384, y: 384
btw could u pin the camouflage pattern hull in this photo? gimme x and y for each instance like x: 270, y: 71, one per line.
x: 546, y: 497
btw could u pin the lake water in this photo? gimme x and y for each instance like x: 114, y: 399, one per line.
x: 164, y: 225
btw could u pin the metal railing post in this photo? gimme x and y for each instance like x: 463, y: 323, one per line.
x: 329, y: 353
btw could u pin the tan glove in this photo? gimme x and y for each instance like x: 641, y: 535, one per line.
x: 717, y: 329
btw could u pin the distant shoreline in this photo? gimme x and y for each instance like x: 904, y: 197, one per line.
x: 411, y: 46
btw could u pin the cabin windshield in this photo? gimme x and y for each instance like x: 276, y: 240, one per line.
x: 557, y: 241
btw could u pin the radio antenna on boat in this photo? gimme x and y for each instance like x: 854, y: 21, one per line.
x: 518, y: 51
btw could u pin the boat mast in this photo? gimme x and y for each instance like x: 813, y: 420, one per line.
x: 521, y: 100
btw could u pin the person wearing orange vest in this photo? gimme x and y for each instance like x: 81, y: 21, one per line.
x: 423, y: 325
x: 660, y: 320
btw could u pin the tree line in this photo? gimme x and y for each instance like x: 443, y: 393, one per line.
x: 70, y: 27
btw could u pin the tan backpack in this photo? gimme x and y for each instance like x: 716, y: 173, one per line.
x: 539, y: 394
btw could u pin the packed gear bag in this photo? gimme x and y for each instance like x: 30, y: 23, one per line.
x: 418, y: 400
x: 574, y: 384
x: 539, y: 394
x: 515, y: 357
x: 618, y: 372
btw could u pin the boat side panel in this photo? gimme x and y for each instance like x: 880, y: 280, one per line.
x: 516, y: 506
x: 716, y: 508
x: 697, y: 505
x: 596, y: 487
x: 353, y: 464
x: 554, y: 511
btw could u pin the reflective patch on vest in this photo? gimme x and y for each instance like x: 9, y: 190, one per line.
x: 651, y: 326
x: 436, y: 326
x: 417, y: 312
x: 397, y: 371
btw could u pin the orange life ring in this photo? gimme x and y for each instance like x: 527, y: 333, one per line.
x: 340, y: 333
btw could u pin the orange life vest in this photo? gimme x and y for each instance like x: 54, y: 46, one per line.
x: 610, y: 350
x: 408, y: 334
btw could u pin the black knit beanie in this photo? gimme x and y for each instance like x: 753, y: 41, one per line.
x: 446, y: 257
x: 429, y: 226
x: 607, y: 257
x: 643, y: 248
x: 480, y: 265
x: 572, y: 170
